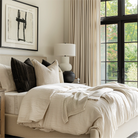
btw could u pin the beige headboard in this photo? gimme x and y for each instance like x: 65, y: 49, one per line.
x: 6, y: 59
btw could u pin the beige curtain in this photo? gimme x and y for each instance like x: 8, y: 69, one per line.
x: 84, y: 31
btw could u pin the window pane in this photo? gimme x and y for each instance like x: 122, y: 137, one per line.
x: 112, y: 52
x: 102, y: 71
x: 112, y: 8
x: 102, y: 9
x: 111, y: 81
x: 130, y: 32
x: 111, y: 71
x: 102, y: 33
x: 131, y: 71
x: 131, y: 52
x: 130, y: 7
x: 102, y: 82
x: 131, y: 84
x: 102, y: 52
x: 112, y: 33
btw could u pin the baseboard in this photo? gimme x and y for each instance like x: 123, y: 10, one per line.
x: 8, y: 136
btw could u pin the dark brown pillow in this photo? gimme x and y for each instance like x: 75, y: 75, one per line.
x: 23, y: 74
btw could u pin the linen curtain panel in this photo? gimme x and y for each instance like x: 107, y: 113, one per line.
x: 84, y: 31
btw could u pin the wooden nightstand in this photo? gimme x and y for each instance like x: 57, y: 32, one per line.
x: 2, y: 113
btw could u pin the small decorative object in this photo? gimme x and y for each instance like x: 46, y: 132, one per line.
x: 78, y: 80
x: 19, y: 25
x: 69, y: 76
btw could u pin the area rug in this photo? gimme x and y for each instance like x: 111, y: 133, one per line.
x: 134, y: 135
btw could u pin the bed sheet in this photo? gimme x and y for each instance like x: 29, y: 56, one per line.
x: 13, y: 101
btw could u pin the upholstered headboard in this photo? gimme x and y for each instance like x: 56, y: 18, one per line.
x: 6, y: 59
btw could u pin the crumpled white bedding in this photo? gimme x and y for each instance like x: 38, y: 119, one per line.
x: 79, y: 109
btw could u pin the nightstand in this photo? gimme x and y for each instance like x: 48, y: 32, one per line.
x: 79, y: 83
x: 2, y: 113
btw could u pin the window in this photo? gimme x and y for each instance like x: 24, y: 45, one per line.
x: 119, y: 41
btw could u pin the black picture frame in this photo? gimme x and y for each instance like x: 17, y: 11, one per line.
x: 19, y: 43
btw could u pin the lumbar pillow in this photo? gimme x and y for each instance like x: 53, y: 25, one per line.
x: 23, y: 74
x: 6, y: 78
x: 45, y: 63
x: 46, y: 75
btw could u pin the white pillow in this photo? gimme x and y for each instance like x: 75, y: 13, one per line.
x: 46, y: 75
x: 6, y: 78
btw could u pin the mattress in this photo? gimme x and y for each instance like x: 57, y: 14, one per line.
x: 13, y: 101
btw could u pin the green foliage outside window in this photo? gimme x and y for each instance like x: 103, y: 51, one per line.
x: 112, y: 36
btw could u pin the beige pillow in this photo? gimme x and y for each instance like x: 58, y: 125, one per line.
x: 46, y: 75
x: 6, y: 78
x: 61, y: 76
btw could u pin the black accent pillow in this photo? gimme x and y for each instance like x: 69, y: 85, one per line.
x: 23, y: 74
x: 45, y: 63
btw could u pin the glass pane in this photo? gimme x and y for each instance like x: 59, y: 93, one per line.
x: 111, y: 71
x: 102, y: 82
x: 102, y: 9
x: 102, y: 52
x: 130, y: 7
x: 131, y: 71
x: 112, y: 52
x: 111, y: 81
x: 102, y: 71
x: 131, y: 84
x: 102, y: 33
x: 131, y: 52
x: 112, y: 8
x: 112, y: 34
x: 130, y: 32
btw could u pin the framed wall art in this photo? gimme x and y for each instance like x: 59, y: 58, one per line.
x: 19, y: 25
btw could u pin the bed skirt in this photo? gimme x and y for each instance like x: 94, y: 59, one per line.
x: 16, y: 130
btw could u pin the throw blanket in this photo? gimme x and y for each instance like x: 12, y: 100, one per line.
x: 65, y: 107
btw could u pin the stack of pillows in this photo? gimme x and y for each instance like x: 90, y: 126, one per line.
x: 23, y: 76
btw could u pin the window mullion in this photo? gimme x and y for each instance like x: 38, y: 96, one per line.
x: 121, y: 52
x: 122, y: 7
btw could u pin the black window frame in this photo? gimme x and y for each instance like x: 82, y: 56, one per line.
x: 121, y: 19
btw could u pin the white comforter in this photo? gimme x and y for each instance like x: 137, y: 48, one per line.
x: 79, y: 109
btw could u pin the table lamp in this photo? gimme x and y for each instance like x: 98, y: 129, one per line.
x: 66, y: 50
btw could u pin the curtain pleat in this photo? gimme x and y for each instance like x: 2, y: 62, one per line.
x: 84, y: 31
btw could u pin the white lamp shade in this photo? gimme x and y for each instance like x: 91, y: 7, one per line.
x: 65, y: 49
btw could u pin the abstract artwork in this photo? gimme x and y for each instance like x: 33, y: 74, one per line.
x: 21, y: 26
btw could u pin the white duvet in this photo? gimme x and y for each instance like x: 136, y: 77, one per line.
x: 79, y: 109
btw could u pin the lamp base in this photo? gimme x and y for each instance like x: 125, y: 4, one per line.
x: 65, y: 65
x: 69, y: 76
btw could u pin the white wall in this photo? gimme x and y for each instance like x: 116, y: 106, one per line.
x: 51, y: 28
x: 66, y: 21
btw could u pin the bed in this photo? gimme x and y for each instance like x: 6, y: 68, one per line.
x: 12, y: 128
